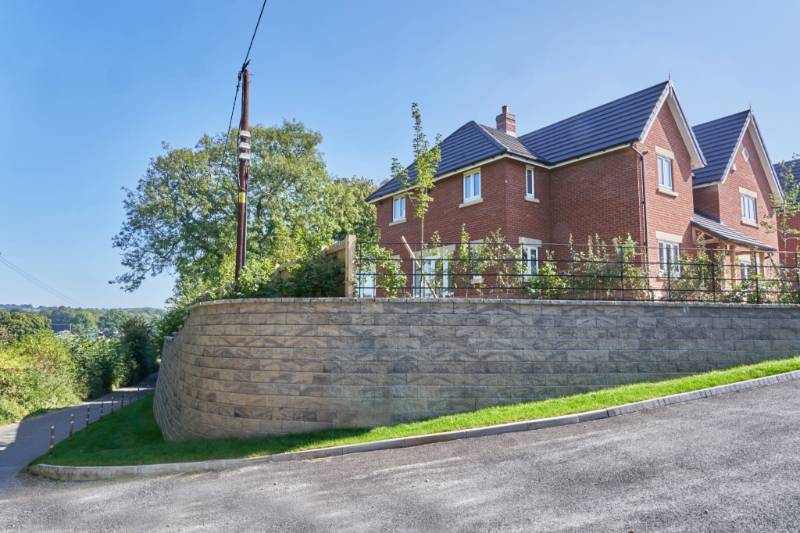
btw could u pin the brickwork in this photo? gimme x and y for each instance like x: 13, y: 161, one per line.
x: 262, y: 367
x: 596, y: 196
x: 667, y: 213
x: 748, y: 175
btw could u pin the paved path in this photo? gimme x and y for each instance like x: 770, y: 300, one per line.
x: 729, y: 463
x: 23, y: 442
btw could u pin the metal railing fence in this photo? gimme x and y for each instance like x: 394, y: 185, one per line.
x: 621, y: 271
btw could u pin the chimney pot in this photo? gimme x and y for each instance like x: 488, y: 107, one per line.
x: 507, y: 122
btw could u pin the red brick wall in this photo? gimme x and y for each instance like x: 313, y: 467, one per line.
x: 526, y: 218
x: 666, y: 213
x: 504, y: 207
x: 749, y: 175
x: 706, y: 199
x: 596, y: 196
x: 790, y: 250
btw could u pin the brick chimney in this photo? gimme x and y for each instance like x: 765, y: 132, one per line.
x: 507, y: 122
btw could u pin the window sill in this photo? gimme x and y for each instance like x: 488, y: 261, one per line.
x: 667, y: 192
x: 396, y: 222
x: 749, y: 223
x: 471, y: 202
x: 533, y: 199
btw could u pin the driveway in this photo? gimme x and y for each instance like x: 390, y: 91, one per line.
x: 729, y: 463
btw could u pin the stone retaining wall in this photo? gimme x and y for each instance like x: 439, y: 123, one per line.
x: 258, y: 367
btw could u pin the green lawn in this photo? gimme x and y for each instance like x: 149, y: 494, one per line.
x: 131, y: 436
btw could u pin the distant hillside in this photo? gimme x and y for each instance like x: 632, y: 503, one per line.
x: 86, y: 320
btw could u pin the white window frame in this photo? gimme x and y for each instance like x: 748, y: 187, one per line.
x: 749, y: 206
x: 665, y: 171
x: 398, y: 201
x: 429, y: 265
x: 530, y: 183
x: 471, y: 186
x: 530, y: 248
x: 669, y: 254
x: 745, y: 267
x: 530, y: 254
x: 745, y: 153
x: 365, y: 281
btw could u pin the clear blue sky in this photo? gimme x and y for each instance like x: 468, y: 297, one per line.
x: 89, y: 90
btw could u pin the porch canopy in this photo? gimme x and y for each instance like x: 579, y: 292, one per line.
x: 726, y: 234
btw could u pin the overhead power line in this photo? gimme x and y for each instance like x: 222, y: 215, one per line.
x: 39, y: 283
x: 239, y: 80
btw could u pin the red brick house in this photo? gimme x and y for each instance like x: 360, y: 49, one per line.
x: 628, y: 167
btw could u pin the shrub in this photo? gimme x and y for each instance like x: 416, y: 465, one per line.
x: 547, y: 283
x: 102, y: 364
x: 169, y: 323
x: 602, y: 271
x: 699, y: 279
x: 36, y: 372
x: 137, y: 343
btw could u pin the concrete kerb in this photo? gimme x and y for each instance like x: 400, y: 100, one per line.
x: 92, y: 473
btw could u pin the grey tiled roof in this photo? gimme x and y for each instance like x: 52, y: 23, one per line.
x: 725, y: 232
x: 612, y: 124
x: 718, y: 140
x: 511, y: 143
x: 468, y: 144
x: 606, y: 126
x: 786, y: 167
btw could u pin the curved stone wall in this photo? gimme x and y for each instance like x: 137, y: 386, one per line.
x: 273, y: 366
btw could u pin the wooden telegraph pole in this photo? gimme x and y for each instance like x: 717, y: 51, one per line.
x: 244, y: 165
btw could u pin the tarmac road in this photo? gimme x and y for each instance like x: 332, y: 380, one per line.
x: 728, y: 463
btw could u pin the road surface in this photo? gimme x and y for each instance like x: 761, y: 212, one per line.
x: 728, y: 463
x: 24, y: 441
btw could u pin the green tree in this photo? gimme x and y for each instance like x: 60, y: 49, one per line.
x: 15, y: 324
x: 78, y: 321
x: 426, y: 162
x: 180, y: 218
x: 787, y: 208
x: 109, y: 322
x: 137, y: 342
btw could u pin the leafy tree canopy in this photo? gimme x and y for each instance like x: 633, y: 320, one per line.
x: 78, y: 321
x: 181, y: 216
x: 15, y: 325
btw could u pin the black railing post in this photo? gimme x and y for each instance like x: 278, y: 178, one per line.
x: 713, y: 282
x: 758, y: 294
x: 669, y: 276
x: 621, y: 253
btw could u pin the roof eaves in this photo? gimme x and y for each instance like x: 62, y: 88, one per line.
x: 724, y: 232
x: 768, y: 162
x: 683, y: 123
x: 489, y: 136
x: 732, y: 155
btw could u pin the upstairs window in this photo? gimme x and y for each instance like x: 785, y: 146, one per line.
x: 746, y: 154
x: 665, y: 173
x: 398, y: 209
x: 669, y: 257
x: 748, y: 208
x: 472, y: 186
x: 530, y: 184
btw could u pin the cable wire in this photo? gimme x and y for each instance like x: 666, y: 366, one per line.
x: 239, y: 81
x: 39, y: 283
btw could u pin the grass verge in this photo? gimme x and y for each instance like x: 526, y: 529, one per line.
x: 130, y: 436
